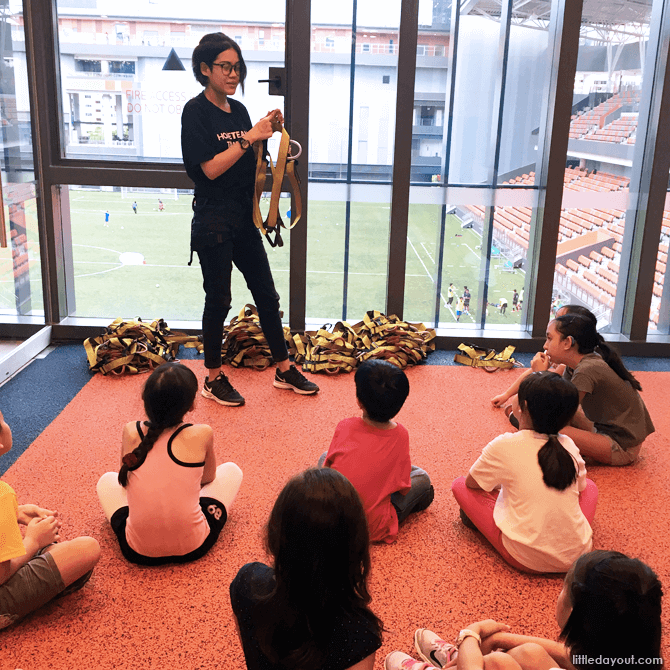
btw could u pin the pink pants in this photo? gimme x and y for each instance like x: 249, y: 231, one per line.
x: 478, y: 506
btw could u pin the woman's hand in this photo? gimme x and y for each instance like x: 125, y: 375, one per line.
x: 540, y: 362
x: 277, y: 120
x: 265, y: 128
x: 29, y: 512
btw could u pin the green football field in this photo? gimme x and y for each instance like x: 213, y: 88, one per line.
x: 137, y: 264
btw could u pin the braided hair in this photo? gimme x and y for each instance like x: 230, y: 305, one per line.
x: 616, y: 607
x: 588, y: 339
x: 551, y: 402
x: 168, y: 394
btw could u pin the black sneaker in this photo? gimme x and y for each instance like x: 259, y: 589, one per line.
x: 294, y: 380
x: 466, y: 521
x: 222, y: 391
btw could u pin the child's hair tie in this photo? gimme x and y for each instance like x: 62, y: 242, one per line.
x: 130, y: 460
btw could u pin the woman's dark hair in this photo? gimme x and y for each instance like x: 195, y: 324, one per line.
x: 583, y: 332
x: 168, y: 394
x: 616, y: 608
x: 381, y: 388
x: 582, y: 311
x: 209, y: 47
x: 318, y: 536
x: 551, y: 402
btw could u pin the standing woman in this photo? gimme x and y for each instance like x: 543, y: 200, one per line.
x: 216, y: 140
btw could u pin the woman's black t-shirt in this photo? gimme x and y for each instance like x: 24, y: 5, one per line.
x: 206, y: 130
x: 353, y: 637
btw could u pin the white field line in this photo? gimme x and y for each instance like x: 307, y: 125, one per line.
x: 426, y: 269
x: 195, y: 267
x: 89, y: 246
x: 102, y: 272
x: 432, y: 260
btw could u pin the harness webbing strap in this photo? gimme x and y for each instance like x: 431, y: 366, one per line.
x: 488, y: 359
x: 273, y: 223
x: 377, y: 336
x: 244, y: 344
x: 134, y: 346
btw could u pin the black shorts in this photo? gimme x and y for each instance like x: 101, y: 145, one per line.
x: 214, y: 512
x: 450, y: 300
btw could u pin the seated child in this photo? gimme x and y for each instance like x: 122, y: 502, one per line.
x: 610, y: 607
x: 38, y: 567
x: 613, y: 421
x: 502, y: 399
x: 372, y: 452
x: 540, y: 519
x: 169, y: 501
x: 310, y: 609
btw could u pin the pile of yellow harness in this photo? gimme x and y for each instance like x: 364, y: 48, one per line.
x: 131, y: 347
x: 330, y: 350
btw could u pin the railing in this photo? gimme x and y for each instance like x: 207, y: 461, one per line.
x: 246, y: 44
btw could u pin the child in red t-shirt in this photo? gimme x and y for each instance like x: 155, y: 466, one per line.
x: 372, y: 452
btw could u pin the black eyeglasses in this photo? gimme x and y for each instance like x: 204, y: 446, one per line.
x: 227, y: 67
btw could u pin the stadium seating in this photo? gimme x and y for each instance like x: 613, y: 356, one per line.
x: 592, y: 276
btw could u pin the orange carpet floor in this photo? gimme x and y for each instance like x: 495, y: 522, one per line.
x: 438, y: 574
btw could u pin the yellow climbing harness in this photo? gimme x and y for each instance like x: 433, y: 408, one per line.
x: 133, y: 346
x: 488, y: 359
x: 285, y: 166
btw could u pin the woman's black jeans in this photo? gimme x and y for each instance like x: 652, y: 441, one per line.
x: 243, y: 246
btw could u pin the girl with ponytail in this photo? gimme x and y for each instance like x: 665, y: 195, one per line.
x: 169, y: 501
x: 613, y: 420
x: 505, y: 399
x: 528, y: 492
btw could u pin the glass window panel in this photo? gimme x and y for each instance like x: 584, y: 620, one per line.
x: 589, y: 254
x: 473, y: 115
x: 136, y: 106
x: 134, y: 261
x: 601, y: 154
x: 659, y: 313
x: 526, y: 84
x: 460, y: 223
x: 430, y: 93
x: 347, y: 261
x: 450, y: 237
x: 20, y: 265
x: 422, y: 262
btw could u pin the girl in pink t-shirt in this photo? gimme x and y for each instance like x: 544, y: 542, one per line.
x: 169, y: 501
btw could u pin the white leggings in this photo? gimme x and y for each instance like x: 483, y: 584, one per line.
x: 223, y: 488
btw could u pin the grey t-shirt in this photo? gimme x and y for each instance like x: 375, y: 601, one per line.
x: 614, y: 406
